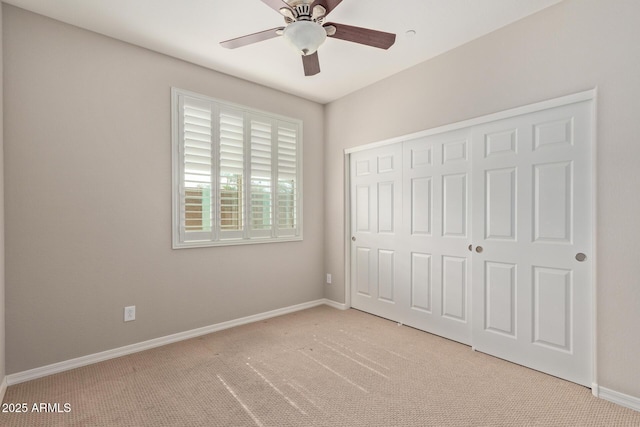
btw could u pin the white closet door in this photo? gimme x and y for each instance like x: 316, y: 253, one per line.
x: 376, y: 215
x: 517, y: 191
x: 436, y: 207
x: 531, y: 223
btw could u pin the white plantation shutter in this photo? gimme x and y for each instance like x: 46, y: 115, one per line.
x: 237, y: 174
x: 287, y: 173
x: 231, y: 174
x: 195, y: 194
x: 261, y: 192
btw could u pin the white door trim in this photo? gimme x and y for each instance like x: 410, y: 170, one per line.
x: 594, y: 243
x: 525, y: 109
x: 588, y: 95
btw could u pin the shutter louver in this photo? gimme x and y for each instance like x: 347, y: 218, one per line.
x: 287, y: 178
x: 231, y: 170
x: 261, y: 177
x: 196, y: 195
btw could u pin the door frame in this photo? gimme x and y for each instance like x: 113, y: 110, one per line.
x: 588, y: 95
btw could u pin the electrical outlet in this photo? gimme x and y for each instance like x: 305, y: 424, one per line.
x: 328, y: 278
x: 130, y: 313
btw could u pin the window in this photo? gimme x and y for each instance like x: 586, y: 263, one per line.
x: 236, y: 174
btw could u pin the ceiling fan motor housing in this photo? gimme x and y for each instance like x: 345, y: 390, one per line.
x: 302, y: 11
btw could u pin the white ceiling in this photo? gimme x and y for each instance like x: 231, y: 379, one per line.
x: 192, y: 29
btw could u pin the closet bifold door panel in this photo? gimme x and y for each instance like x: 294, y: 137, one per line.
x: 483, y: 234
x: 376, y: 243
x: 436, y: 234
x: 532, y: 249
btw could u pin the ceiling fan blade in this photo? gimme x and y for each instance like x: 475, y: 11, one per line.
x: 329, y: 5
x: 311, y: 64
x: 251, y: 38
x: 361, y: 35
x: 277, y: 4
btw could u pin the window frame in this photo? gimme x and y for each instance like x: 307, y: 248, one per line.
x: 248, y: 235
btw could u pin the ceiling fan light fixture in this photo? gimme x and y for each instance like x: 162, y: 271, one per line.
x: 305, y: 36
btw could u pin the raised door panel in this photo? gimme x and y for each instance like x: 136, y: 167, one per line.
x: 503, y: 142
x: 454, y: 205
x: 552, y: 307
x: 552, y: 134
x: 386, y: 207
x: 421, y: 280
x: 421, y: 202
x: 454, y: 151
x: 454, y: 288
x: 362, y: 271
x: 553, y: 199
x: 501, y: 207
x: 363, y: 208
x: 386, y: 275
x: 500, y: 298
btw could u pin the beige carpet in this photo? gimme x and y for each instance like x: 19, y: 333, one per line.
x: 318, y: 367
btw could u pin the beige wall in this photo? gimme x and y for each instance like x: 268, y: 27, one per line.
x: 573, y: 46
x: 88, y: 200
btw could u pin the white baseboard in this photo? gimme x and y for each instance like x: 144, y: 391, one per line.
x: 618, y: 398
x: 338, y: 305
x: 67, y: 365
x: 3, y: 389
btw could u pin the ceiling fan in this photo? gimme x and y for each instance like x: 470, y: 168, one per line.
x: 306, y: 30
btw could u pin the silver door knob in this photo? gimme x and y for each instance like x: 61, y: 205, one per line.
x: 479, y: 249
x: 580, y: 256
x: 353, y: 238
x: 470, y: 247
